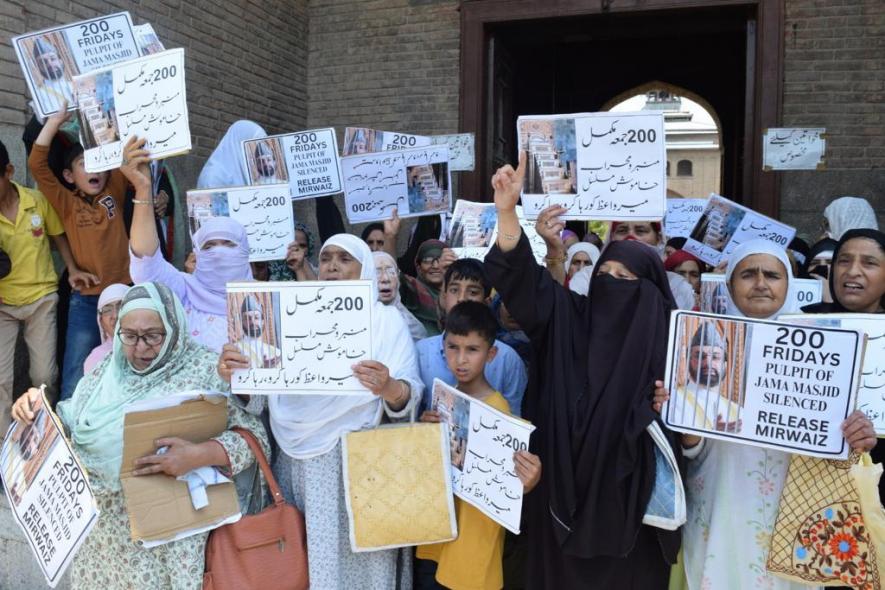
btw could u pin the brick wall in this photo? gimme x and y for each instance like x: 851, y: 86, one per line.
x: 835, y: 78
x: 245, y: 59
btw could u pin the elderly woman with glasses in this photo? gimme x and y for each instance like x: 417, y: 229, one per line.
x: 153, y: 356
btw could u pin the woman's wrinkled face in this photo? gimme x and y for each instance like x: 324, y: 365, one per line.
x: 108, y: 317
x: 337, y: 264
x: 147, y: 326
x: 636, y: 230
x: 616, y: 269
x: 386, y: 272
x: 579, y: 261
x: 759, y: 285
x: 859, y: 275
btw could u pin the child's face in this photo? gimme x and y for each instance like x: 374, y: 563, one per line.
x: 458, y: 290
x: 467, y: 355
x: 91, y: 183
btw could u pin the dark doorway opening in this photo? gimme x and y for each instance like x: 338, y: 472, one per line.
x: 578, y: 59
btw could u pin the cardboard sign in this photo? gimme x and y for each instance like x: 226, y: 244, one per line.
x: 871, y: 395
x: 397, y: 487
x: 301, y: 338
x: 51, y: 58
x: 794, y: 149
x: 362, y: 140
x: 48, y: 491
x: 143, y: 97
x: 461, y: 150
x: 413, y: 181
x: 482, y: 442
x: 682, y: 215
x: 159, y: 505
x: 610, y: 166
x: 307, y: 160
x: 265, y: 212
x: 472, y: 230
x: 715, y: 296
x: 762, y: 383
x: 724, y: 225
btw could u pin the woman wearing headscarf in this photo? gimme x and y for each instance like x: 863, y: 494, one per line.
x: 847, y: 213
x: 226, y: 166
x: 733, y: 490
x: 598, y: 358
x: 578, y: 256
x: 153, y: 356
x: 222, y: 252
x: 857, y: 274
x: 420, y: 294
x: 108, y: 307
x: 308, y: 429
x: 388, y: 292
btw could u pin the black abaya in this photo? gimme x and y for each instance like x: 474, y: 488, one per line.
x: 598, y: 358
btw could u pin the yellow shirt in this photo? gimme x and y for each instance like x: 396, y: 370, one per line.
x: 26, y: 241
x: 473, y: 561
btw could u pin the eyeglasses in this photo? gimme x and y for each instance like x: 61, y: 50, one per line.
x: 386, y: 270
x: 150, y: 338
x: 110, y: 308
x: 429, y: 260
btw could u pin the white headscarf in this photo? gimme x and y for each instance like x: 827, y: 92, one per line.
x: 416, y: 328
x: 226, y: 166
x: 847, y: 213
x: 682, y: 291
x: 110, y: 294
x: 217, y: 266
x: 759, y: 246
x: 306, y: 426
x: 589, y: 249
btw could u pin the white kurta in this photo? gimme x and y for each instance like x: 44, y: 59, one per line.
x: 733, y: 491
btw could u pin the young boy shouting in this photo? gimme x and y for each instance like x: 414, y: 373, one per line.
x: 91, y: 210
x: 473, y: 561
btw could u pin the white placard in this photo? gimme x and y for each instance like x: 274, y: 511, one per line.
x: 682, y: 215
x: 265, y: 212
x: 608, y: 166
x: 794, y: 149
x: 414, y: 181
x: 362, y: 140
x: 762, y: 383
x: 871, y: 395
x: 724, y: 225
x: 148, y: 41
x: 52, y: 57
x: 539, y: 246
x: 144, y: 97
x: 461, y: 150
x: 307, y: 160
x: 48, y: 491
x: 300, y: 337
x: 473, y: 228
x: 714, y: 293
x: 483, y: 441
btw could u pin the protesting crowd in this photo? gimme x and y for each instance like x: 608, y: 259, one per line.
x: 573, y: 339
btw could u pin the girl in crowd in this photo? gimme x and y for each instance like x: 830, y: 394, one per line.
x: 153, y: 356
x: 598, y: 358
x: 108, y: 306
x: 388, y: 292
x: 733, y: 490
x: 308, y: 429
x: 222, y: 252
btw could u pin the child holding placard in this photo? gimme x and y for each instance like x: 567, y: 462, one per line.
x: 474, y: 559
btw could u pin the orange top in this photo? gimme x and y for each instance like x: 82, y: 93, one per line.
x: 94, y: 226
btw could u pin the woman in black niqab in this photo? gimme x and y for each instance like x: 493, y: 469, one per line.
x: 598, y: 359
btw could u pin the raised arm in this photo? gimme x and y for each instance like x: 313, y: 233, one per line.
x: 38, y: 162
x: 143, y: 239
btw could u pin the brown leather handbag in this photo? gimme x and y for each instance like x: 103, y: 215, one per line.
x: 267, y: 550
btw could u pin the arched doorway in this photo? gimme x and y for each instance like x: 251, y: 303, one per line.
x: 523, y: 57
x: 694, y: 136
